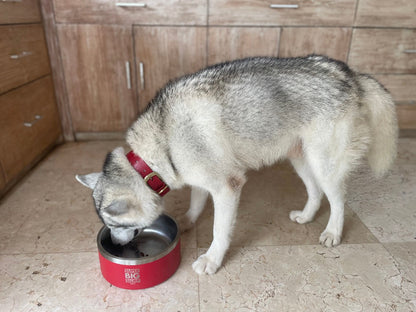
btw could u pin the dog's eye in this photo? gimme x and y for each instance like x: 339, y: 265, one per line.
x: 136, y: 231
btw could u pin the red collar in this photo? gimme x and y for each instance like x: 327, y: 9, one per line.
x: 152, y: 179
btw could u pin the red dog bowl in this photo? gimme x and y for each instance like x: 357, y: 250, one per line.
x: 148, y: 260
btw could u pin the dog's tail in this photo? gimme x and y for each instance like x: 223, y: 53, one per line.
x: 383, y: 124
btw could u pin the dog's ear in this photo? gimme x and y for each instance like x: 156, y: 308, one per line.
x: 89, y: 180
x: 117, y: 208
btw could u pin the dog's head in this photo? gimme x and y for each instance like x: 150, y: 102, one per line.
x: 122, y: 199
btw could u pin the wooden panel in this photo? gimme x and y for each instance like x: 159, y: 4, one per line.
x: 24, y: 11
x: 156, y: 12
x: 406, y: 115
x: 57, y: 69
x: 2, y: 179
x: 20, y: 144
x: 401, y: 87
x: 228, y: 43
x: 167, y: 53
x: 94, y: 59
x: 398, y: 13
x: 333, y: 42
x: 23, y: 55
x: 383, y: 50
x: 258, y: 12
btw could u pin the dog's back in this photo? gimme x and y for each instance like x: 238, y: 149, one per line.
x: 261, y: 106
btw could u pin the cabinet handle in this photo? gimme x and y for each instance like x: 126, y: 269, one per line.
x: 284, y: 6
x: 127, y: 4
x: 128, y: 76
x: 141, y: 71
x: 11, y: 0
x: 30, y: 124
x: 410, y: 51
x: 20, y: 55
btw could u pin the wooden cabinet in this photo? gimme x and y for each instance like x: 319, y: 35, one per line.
x: 23, y: 55
x: 395, y: 47
x: 150, y: 12
x: 398, y: 13
x: 275, y: 13
x: 172, y: 38
x: 22, y: 11
x: 301, y: 41
x: 29, y: 122
x: 164, y: 53
x: 99, y: 73
x: 228, y: 43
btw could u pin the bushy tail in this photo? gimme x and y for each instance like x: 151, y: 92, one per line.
x: 383, y: 125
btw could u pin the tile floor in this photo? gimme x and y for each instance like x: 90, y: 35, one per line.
x: 49, y: 262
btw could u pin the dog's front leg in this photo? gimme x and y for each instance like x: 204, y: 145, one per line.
x: 198, y: 199
x: 225, y: 212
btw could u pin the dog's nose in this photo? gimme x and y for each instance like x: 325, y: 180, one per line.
x: 121, y: 236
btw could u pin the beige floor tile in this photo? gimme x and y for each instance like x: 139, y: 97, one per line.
x: 263, y: 215
x: 80, y: 157
x: 73, y: 282
x: 359, y: 277
x: 405, y: 255
x: 48, y: 258
x: 387, y: 206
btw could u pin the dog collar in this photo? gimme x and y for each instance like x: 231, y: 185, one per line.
x: 152, y: 179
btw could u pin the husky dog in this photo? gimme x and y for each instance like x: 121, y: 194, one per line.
x: 207, y: 129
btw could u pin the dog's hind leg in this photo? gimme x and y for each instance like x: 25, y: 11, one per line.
x: 226, y: 198
x: 198, y: 199
x: 330, y: 165
x: 314, y: 192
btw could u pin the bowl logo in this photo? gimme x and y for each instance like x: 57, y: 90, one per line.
x: 132, y: 276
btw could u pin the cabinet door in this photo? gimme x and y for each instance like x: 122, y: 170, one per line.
x: 229, y: 43
x: 383, y: 51
x: 164, y: 53
x: 301, y: 41
x: 97, y: 61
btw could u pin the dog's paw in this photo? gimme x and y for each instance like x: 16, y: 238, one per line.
x: 299, y: 217
x: 329, y: 239
x: 184, y: 223
x: 204, y: 265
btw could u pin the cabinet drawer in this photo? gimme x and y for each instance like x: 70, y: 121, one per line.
x: 23, y: 55
x: 192, y: 12
x: 398, y: 13
x: 401, y: 87
x: 23, y: 136
x: 384, y: 50
x: 298, y: 12
x: 24, y: 11
x: 406, y: 115
x: 300, y: 41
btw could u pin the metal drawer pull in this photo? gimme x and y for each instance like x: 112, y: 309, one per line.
x: 409, y: 51
x: 127, y: 4
x: 11, y: 0
x: 18, y: 56
x: 141, y: 71
x: 30, y: 124
x: 284, y: 6
x: 128, y: 75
